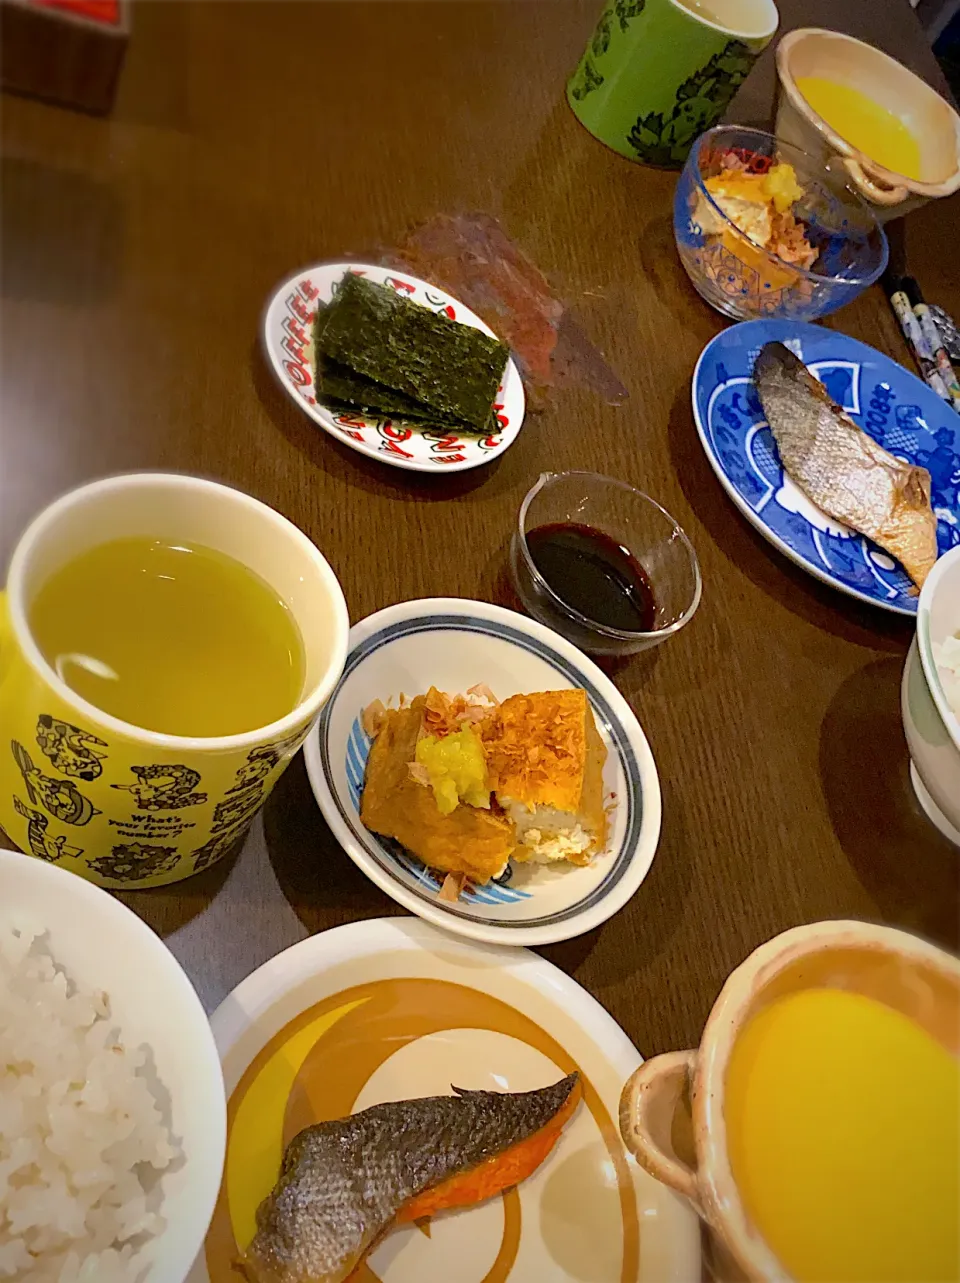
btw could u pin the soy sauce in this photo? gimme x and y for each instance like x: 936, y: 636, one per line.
x: 595, y: 575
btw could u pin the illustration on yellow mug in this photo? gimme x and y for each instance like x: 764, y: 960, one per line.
x: 124, y: 806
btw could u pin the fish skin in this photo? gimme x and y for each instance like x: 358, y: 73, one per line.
x: 343, y: 1183
x: 841, y: 468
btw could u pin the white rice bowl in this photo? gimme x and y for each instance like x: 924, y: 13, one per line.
x: 946, y: 655
x: 80, y: 1129
x: 112, y: 1108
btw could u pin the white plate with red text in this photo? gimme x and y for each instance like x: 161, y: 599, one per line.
x: 287, y: 333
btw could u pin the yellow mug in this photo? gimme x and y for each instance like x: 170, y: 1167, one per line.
x: 127, y: 807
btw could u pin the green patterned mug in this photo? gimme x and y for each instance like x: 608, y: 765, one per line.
x: 657, y: 73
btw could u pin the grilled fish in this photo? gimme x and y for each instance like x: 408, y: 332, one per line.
x: 343, y: 1184
x: 841, y: 468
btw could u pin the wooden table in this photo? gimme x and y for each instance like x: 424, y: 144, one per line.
x: 251, y: 138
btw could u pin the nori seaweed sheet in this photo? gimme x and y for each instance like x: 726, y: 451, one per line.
x: 428, y: 423
x: 451, y: 368
x: 343, y: 389
x: 342, y: 384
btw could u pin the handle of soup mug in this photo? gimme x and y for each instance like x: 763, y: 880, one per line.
x: 873, y: 191
x: 647, y: 1105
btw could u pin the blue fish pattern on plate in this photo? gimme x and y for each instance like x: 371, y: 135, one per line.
x: 496, y: 892
x: 895, y: 407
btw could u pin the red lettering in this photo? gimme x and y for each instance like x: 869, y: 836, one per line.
x: 296, y: 305
x: 294, y: 350
x: 308, y: 291
x: 450, y: 312
x: 391, y: 447
x: 350, y: 421
x: 399, y: 286
x: 396, y: 434
x: 446, y: 443
x: 294, y: 328
x: 297, y: 374
x: 450, y: 458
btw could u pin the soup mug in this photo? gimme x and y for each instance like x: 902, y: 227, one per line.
x: 897, y: 969
x: 812, y: 51
x: 120, y: 805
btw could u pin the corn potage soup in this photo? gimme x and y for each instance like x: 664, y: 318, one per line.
x: 171, y: 637
x: 843, y: 1130
x: 864, y: 124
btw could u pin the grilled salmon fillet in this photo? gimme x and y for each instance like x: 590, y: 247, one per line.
x: 343, y: 1184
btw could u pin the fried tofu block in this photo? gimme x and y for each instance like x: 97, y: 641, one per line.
x: 545, y: 758
x: 469, y: 840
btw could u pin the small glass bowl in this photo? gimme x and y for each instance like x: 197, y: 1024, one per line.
x: 745, y: 281
x: 635, y: 522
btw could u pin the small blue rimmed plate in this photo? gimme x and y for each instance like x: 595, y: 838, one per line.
x: 895, y: 407
x: 454, y: 644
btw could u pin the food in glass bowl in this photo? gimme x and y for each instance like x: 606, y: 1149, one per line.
x: 763, y: 229
x: 757, y: 196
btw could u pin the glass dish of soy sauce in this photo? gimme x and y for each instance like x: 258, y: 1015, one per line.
x: 603, y: 564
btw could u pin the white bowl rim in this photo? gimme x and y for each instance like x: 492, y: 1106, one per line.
x: 209, y: 1157
x: 925, y: 645
x: 736, y: 31
x: 257, y: 993
x: 475, y: 929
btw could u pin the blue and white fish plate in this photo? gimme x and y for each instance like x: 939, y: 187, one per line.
x: 453, y: 644
x: 895, y: 407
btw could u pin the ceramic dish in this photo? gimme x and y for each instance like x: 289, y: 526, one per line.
x: 454, y: 644
x: 101, y: 944
x: 814, y: 51
x: 897, y: 409
x: 287, y: 327
x: 913, y: 978
x: 392, y: 1008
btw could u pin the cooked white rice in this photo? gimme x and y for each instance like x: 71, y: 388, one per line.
x: 81, y: 1136
x: 946, y: 655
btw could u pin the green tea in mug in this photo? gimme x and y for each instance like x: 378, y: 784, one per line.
x: 170, y: 636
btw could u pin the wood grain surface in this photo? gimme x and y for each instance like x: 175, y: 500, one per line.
x: 251, y: 138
